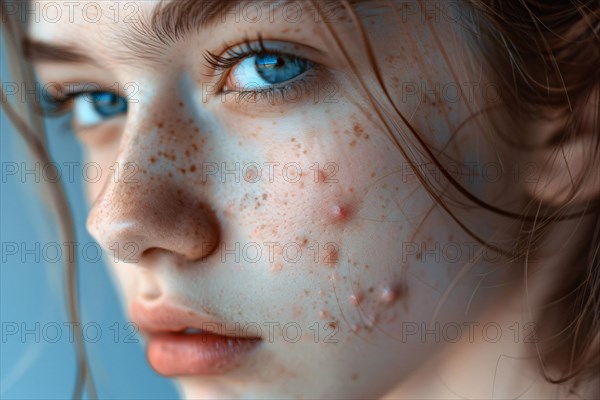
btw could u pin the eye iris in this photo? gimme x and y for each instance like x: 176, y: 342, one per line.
x: 108, y: 104
x: 275, y: 68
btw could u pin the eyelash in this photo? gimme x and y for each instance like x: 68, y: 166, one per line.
x: 56, y: 106
x: 221, y: 65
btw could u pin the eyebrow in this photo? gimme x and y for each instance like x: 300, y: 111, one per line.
x: 147, y: 38
x: 172, y: 20
x: 35, y: 50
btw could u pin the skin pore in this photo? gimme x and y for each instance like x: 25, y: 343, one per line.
x: 353, y: 249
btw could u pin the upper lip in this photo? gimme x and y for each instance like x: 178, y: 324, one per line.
x: 169, y: 318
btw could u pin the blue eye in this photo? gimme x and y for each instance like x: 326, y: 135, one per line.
x: 266, y: 69
x: 93, y: 108
x: 275, y: 68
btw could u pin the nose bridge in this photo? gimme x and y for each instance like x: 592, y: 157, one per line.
x: 149, y: 202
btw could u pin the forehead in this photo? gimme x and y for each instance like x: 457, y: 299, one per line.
x: 60, y: 20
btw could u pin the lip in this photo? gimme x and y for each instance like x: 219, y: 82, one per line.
x: 211, y: 350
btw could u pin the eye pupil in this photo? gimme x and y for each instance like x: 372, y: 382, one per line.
x: 270, y: 61
x: 108, y: 104
x: 277, y: 68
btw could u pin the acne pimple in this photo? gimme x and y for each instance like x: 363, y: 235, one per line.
x: 388, y: 295
x: 339, y: 213
x: 356, y: 299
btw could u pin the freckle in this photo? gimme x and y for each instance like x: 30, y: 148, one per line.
x: 160, y: 125
x: 373, y: 174
x: 358, y: 130
x: 265, y: 196
x: 354, y: 377
x: 193, y: 168
x: 293, y: 139
x: 276, y: 267
x: 333, y: 324
x: 152, y: 160
x: 353, y: 143
x: 180, y: 104
x: 324, y: 314
x: 183, y: 171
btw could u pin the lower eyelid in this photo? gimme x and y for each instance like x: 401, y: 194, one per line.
x: 306, y: 89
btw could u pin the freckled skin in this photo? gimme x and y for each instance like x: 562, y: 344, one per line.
x: 336, y: 188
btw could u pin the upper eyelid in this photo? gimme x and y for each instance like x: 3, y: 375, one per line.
x: 255, y: 46
x: 222, y: 65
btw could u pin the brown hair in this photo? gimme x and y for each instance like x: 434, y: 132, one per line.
x: 545, y: 56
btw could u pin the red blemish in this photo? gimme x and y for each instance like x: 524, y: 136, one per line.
x: 389, y: 295
x: 356, y: 299
x: 340, y: 213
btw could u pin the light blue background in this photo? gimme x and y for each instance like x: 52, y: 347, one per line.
x: 36, y: 365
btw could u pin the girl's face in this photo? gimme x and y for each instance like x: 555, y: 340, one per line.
x: 249, y: 184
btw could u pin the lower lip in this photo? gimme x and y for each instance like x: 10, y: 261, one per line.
x: 178, y: 354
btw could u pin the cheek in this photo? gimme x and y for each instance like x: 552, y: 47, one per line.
x: 344, y: 212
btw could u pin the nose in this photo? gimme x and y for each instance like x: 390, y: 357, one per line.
x: 152, y: 209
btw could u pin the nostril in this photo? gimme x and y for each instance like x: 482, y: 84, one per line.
x: 135, y: 227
